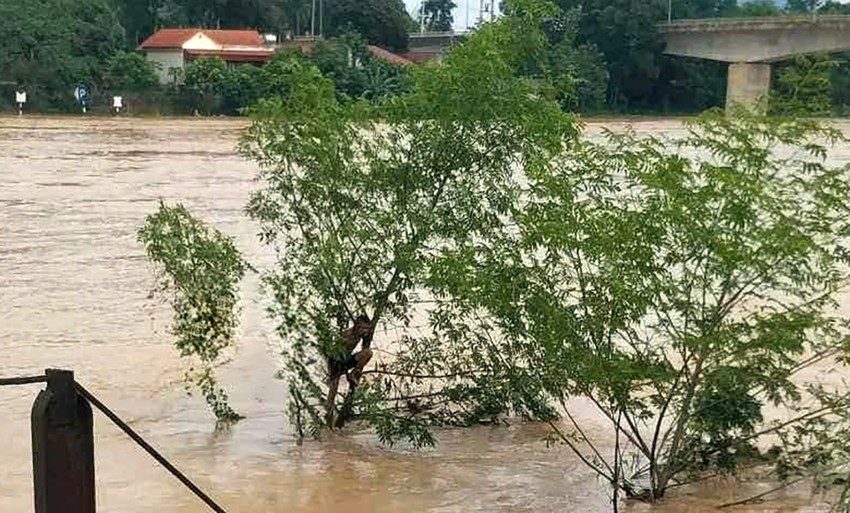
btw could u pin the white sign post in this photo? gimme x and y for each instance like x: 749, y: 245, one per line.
x: 20, y: 99
x: 117, y: 103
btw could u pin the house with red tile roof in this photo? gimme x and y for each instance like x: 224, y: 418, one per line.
x: 172, y: 48
x: 387, y: 55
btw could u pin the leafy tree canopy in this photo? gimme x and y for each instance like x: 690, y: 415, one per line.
x: 438, y: 15
x: 130, y: 71
x: 381, y: 22
x: 49, y: 46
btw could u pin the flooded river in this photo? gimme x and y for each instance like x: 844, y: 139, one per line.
x: 74, y: 287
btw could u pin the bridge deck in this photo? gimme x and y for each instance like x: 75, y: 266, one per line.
x: 760, y: 23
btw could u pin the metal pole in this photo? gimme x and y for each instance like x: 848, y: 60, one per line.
x: 422, y: 17
x: 313, y: 20
x: 669, y: 11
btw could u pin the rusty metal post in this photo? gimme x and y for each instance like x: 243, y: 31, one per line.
x: 62, y: 448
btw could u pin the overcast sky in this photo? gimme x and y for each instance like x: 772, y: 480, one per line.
x: 460, y: 13
x: 468, y: 10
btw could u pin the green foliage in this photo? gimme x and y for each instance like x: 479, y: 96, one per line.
x: 804, y: 5
x: 624, y: 31
x: 840, y: 80
x: 756, y: 8
x: 243, y: 85
x: 205, y: 74
x: 577, y: 70
x: 357, y: 211
x: 381, y: 22
x: 679, y: 294
x: 202, y: 83
x: 438, y: 15
x: 297, y: 15
x: 356, y: 73
x: 130, y: 72
x: 677, y: 285
x: 803, y: 87
x: 225, y: 14
x: 212, y: 87
x: 200, y: 270
x: 834, y: 7
x: 49, y: 46
x: 140, y: 18
x: 640, y: 77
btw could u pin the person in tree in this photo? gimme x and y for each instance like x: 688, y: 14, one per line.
x: 349, y: 363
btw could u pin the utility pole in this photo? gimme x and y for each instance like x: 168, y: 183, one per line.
x: 422, y: 17
x: 485, y: 7
x: 313, y: 19
x: 321, y: 18
x: 669, y: 11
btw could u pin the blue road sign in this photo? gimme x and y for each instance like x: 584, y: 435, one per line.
x: 81, y: 93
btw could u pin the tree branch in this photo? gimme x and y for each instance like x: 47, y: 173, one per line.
x: 756, y: 497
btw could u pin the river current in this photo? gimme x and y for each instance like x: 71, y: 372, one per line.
x: 74, y: 286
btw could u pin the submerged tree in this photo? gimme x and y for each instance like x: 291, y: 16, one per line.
x: 357, y: 211
x: 680, y: 285
x: 358, y: 200
x: 200, y: 269
x: 679, y: 294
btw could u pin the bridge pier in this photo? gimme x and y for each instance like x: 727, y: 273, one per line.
x: 749, y: 45
x: 748, y: 84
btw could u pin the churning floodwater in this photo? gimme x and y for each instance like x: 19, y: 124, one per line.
x: 74, y: 293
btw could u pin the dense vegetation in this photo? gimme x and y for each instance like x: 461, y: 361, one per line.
x: 47, y: 47
x: 606, y: 54
x: 510, y: 264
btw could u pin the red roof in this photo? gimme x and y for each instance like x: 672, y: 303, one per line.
x: 305, y: 45
x: 387, y: 55
x: 175, y: 38
x: 421, y: 56
x: 234, y: 55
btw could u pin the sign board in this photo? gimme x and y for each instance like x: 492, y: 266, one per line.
x: 20, y: 97
x: 117, y: 102
x: 81, y: 93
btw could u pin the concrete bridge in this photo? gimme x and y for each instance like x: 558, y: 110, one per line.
x: 750, y: 45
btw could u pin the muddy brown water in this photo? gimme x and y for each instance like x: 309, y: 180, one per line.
x: 74, y: 287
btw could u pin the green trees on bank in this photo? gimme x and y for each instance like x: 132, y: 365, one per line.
x: 642, y: 79
x: 48, y: 47
x: 210, y: 87
x: 381, y: 21
x: 510, y: 264
x: 610, y: 49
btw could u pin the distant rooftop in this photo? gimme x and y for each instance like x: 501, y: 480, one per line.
x: 177, y: 37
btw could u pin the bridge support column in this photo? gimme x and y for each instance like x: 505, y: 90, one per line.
x: 748, y: 84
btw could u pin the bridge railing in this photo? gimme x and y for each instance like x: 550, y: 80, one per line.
x: 685, y: 25
x: 63, y: 445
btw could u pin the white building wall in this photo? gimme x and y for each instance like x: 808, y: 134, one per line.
x: 201, y: 42
x: 166, y: 61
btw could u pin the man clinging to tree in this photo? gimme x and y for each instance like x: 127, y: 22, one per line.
x: 344, y: 361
